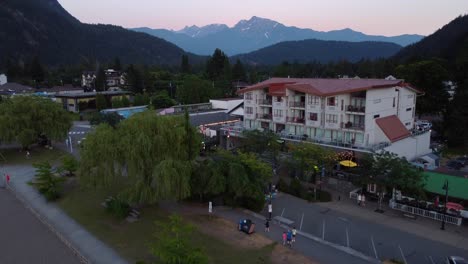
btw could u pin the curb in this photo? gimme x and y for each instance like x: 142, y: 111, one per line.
x: 42, y: 219
x: 344, y: 249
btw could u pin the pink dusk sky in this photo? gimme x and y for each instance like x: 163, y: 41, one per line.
x: 382, y: 17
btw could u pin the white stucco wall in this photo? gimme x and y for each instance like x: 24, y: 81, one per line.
x: 411, y: 147
x: 3, y: 79
x: 406, y: 109
x: 225, y: 104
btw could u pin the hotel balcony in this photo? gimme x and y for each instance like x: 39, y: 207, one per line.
x: 352, y: 126
x: 267, y: 102
x: 296, y: 104
x: 295, y: 120
x: 264, y: 116
x: 355, y: 109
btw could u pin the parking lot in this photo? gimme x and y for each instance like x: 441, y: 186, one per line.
x: 371, y: 238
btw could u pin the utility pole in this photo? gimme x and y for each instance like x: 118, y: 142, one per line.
x: 446, y: 188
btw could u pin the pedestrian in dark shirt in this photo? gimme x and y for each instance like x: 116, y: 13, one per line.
x: 267, y: 226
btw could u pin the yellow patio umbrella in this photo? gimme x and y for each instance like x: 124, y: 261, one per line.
x: 348, y: 163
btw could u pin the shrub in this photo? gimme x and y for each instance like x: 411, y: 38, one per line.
x: 295, y: 187
x: 255, y: 204
x: 46, y: 182
x: 118, y: 208
x: 283, y: 186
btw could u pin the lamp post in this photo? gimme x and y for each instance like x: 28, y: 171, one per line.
x: 446, y: 188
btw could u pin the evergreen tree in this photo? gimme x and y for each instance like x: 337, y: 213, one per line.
x: 238, y: 71
x: 100, y: 83
x: 36, y: 70
x: 117, y: 65
x: 185, y: 66
x: 134, y: 79
x: 216, y: 65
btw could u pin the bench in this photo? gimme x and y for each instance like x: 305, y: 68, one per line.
x: 283, y: 220
x: 412, y: 216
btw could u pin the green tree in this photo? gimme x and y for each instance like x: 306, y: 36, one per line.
x: 125, y: 101
x: 173, y: 244
x: 185, y: 66
x: 428, y: 76
x: 238, y: 71
x: 162, y: 100
x: 146, y: 152
x: 36, y: 70
x: 117, y: 103
x: 70, y: 164
x: 24, y: 118
x: 141, y: 99
x: 134, y: 79
x: 112, y: 119
x: 46, y: 182
x: 195, y: 90
x: 216, y: 65
x: 261, y: 143
x: 100, y: 83
x: 117, y: 65
x: 309, y: 160
x: 207, y: 179
x: 101, y: 102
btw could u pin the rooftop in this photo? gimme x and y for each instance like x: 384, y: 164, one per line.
x: 12, y: 88
x: 393, y: 128
x: 324, y: 87
x: 90, y: 94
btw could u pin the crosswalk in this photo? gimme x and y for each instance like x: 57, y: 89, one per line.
x: 77, y: 133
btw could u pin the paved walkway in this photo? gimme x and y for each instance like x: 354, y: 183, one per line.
x: 453, y: 235
x: 70, y: 232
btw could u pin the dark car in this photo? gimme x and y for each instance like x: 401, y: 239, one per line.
x: 455, y: 164
x: 463, y: 160
x: 455, y: 260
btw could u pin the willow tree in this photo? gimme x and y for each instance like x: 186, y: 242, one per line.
x: 24, y: 118
x: 147, y: 154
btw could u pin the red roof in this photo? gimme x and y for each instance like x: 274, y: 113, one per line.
x: 325, y: 87
x: 393, y: 128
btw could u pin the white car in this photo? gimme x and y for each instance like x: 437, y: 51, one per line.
x: 456, y: 260
x: 423, y: 125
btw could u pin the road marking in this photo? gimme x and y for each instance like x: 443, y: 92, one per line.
x: 323, y: 230
x: 373, y: 246
x: 432, y: 261
x: 282, y: 212
x: 347, y: 237
x: 343, y: 219
x: 402, y: 255
x: 302, y: 219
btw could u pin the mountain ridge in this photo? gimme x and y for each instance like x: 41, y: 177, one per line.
x: 256, y: 33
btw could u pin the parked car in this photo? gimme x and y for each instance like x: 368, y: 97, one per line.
x: 463, y: 160
x: 454, y: 164
x: 455, y: 260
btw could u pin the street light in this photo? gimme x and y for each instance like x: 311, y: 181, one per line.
x: 446, y: 188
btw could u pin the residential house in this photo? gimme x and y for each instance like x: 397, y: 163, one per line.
x: 356, y: 114
x: 114, y: 79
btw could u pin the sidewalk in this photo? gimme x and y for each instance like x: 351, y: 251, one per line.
x: 86, y: 246
x: 456, y: 236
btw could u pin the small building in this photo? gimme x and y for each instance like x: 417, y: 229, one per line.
x: 114, y: 79
x: 10, y: 89
x: 3, y: 79
x: 66, y: 89
x: 76, y: 102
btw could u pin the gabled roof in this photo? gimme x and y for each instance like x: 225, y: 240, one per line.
x: 393, y: 128
x: 15, y: 88
x: 324, y: 87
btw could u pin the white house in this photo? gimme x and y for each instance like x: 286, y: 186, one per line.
x: 358, y: 114
x: 3, y: 79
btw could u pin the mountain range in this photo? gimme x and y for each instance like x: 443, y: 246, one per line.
x: 256, y: 33
x: 323, y: 51
x: 44, y: 28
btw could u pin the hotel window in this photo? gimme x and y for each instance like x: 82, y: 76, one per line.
x: 332, y: 119
x: 410, y: 96
x: 394, y: 99
x: 331, y: 101
x: 279, y: 99
x: 278, y: 113
x: 376, y: 116
x: 409, y: 109
x: 313, y: 116
x: 376, y: 101
x: 249, y: 110
x: 248, y: 96
x: 314, y: 100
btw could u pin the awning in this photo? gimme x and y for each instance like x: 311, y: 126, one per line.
x: 348, y: 163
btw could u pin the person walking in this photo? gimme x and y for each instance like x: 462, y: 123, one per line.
x: 289, y: 237
x: 294, y: 232
x: 267, y: 226
x: 284, y: 238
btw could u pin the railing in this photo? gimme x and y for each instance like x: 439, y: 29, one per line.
x: 264, y: 116
x: 264, y: 102
x: 297, y: 120
x: 297, y: 104
x: 353, y: 126
x: 354, y: 193
x: 426, y: 213
x: 355, y: 108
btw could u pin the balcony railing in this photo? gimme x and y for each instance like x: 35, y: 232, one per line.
x: 297, y: 104
x: 353, y: 126
x: 355, y: 108
x: 297, y: 120
x: 264, y: 116
x: 264, y: 102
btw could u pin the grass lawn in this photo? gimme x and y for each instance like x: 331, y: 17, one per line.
x: 131, y: 239
x: 12, y: 156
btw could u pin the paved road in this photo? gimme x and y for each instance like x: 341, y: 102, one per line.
x: 24, y: 239
x: 368, y: 237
